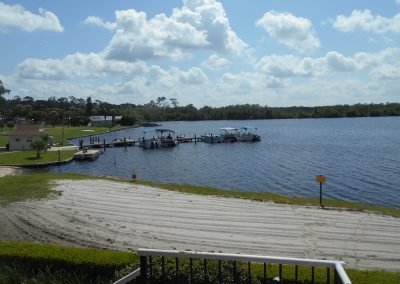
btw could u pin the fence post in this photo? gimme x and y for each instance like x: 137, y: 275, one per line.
x: 143, y: 269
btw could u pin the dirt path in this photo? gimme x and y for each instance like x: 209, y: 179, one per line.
x: 125, y: 216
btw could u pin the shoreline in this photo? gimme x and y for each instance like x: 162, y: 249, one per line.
x: 125, y: 216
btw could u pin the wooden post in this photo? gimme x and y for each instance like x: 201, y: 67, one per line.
x: 195, y: 139
x: 59, y: 156
x: 143, y: 269
x: 104, y: 144
x: 125, y: 142
x: 320, y: 195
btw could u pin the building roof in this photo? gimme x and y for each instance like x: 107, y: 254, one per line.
x: 25, y: 130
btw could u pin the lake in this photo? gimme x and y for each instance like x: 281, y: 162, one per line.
x: 359, y: 156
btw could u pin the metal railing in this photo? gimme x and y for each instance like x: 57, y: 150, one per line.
x: 147, y: 266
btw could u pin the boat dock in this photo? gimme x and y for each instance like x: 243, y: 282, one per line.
x: 181, y: 138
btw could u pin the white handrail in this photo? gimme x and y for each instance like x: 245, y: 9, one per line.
x: 342, y: 274
x: 240, y: 257
x: 128, y: 277
x: 337, y: 265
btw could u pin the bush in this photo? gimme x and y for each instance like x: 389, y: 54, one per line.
x: 127, y: 120
x: 19, y: 261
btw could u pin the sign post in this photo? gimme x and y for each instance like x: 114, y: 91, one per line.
x: 321, y: 180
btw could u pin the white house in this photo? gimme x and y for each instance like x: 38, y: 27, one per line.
x: 22, y: 138
x: 100, y: 120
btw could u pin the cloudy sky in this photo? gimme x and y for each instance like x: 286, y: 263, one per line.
x: 205, y: 52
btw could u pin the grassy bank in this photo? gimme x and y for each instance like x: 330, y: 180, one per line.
x: 69, y: 132
x: 72, y: 132
x: 15, y: 189
x: 29, y: 157
x: 37, y: 263
x: 43, y: 182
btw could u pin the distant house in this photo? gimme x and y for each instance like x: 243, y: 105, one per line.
x: 100, y: 120
x: 22, y: 138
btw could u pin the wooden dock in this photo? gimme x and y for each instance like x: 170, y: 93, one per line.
x: 120, y: 143
x: 184, y: 139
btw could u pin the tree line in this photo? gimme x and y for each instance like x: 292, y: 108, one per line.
x: 76, y: 111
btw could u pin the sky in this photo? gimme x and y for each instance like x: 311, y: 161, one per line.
x: 203, y: 52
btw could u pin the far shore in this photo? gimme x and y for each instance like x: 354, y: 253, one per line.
x: 126, y: 216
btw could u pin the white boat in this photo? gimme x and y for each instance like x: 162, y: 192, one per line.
x: 166, y: 141
x: 247, y: 134
x: 229, y: 135
x: 149, y: 143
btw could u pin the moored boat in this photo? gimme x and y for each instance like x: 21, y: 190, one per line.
x: 247, y: 134
x: 166, y: 141
x: 229, y: 135
x: 149, y: 143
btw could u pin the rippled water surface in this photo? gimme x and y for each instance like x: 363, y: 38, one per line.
x: 359, y: 156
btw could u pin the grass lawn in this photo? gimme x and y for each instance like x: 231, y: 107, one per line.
x: 70, y: 132
x: 40, y: 263
x: 3, y: 141
x: 29, y: 157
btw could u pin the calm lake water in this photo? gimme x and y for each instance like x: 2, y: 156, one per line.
x: 359, y: 156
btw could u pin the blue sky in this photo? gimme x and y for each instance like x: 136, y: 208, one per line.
x: 205, y: 52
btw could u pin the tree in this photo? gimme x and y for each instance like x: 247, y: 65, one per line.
x: 88, y: 107
x: 161, y: 101
x: 38, y: 144
x: 174, y: 102
x: 3, y: 90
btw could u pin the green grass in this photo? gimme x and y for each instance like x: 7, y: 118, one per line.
x: 38, y: 263
x: 3, y: 140
x: 29, y: 157
x: 15, y: 189
x: 69, y: 132
x: 72, y: 132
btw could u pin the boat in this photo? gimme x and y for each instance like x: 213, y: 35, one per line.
x: 247, y: 134
x: 149, y: 143
x: 209, y: 138
x: 229, y: 135
x: 166, y: 141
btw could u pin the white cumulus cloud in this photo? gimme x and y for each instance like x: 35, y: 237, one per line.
x: 294, y: 32
x: 75, y: 65
x: 200, y: 24
x: 216, y: 62
x: 384, y: 64
x: 96, y: 21
x: 16, y: 16
x: 366, y: 21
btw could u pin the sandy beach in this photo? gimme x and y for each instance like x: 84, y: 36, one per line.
x: 124, y: 216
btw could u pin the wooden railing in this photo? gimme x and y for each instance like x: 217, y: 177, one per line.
x: 146, y: 273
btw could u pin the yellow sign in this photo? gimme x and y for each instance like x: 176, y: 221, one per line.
x: 321, y: 179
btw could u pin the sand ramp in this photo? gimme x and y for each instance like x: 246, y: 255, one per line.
x: 127, y: 216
